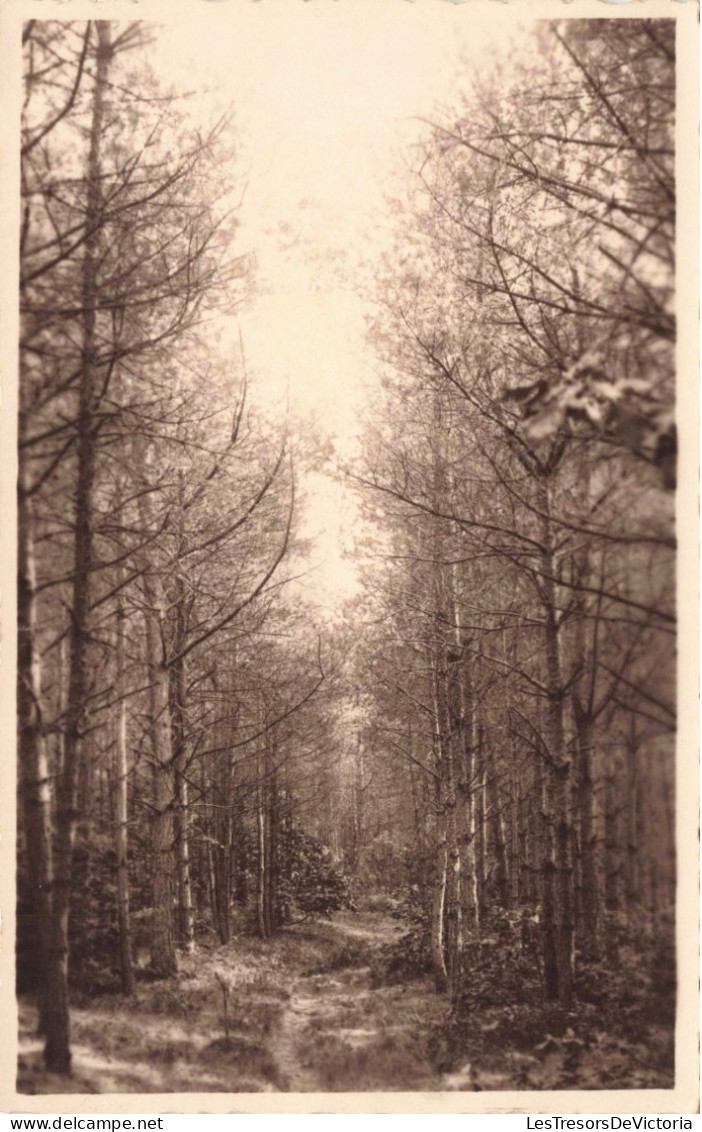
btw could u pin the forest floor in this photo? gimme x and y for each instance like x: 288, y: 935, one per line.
x: 306, y: 1012
x: 302, y: 1017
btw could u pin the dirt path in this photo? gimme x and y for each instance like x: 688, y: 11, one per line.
x: 339, y: 1033
x: 302, y: 1012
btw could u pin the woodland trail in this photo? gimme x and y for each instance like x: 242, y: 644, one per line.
x: 303, y: 1016
x: 339, y: 1033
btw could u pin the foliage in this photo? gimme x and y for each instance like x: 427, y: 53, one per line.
x: 541, y: 1047
x: 378, y: 902
x: 618, y: 1034
x: 311, y: 881
x: 352, y: 953
x: 380, y: 867
x: 409, y: 956
x: 638, y: 990
x: 500, y: 963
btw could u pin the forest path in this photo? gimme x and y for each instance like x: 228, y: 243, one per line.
x: 303, y: 1015
x: 340, y: 1033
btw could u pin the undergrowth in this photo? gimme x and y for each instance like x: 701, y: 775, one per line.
x: 618, y: 1034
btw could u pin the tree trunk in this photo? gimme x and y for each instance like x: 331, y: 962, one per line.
x: 163, y: 952
x: 498, y: 845
x: 612, y: 870
x: 57, y: 1053
x: 438, y: 958
x: 557, y: 864
x: 448, y: 740
x: 262, y: 865
x: 470, y: 888
x: 589, y: 903
x: 185, y: 928
x: 479, y: 826
x: 35, y: 781
x: 632, y: 885
x: 548, y: 891
x: 455, y: 753
x: 221, y: 826
x: 611, y: 839
x: 122, y: 817
x: 514, y: 866
x: 273, y: 837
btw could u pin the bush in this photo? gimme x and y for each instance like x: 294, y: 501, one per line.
x: 352, y: 953
x: 407, y: 958
x: 378, y: 902
x: 311, y: 881
x: 619, y: 1033
x: 499, y: 964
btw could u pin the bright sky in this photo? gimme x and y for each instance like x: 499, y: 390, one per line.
x: 327, y: 98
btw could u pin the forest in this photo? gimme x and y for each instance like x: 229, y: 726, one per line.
x: 427, y: 840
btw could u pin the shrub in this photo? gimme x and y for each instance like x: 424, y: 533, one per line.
x: 408, y: 957
x: 311, y: 881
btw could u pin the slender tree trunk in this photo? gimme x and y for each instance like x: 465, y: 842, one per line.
x: 267, y: 833
x: 454, y: 926
x: 122, y: 817
x: 497, y: 839
x: 185, y: 924
x: 262, y: 865
x: 471, y: 747
x: 589, y: 910
x: 163, y: 959
x: 212, y: 888
x: 612, y: 863
x: 527, y: 825
x: 185, y: 920
x: 612, y: 869
x: 57, y: 1052
x: 631, y: 879
x: 479, y: 826
x: 163, y: 951
x: 447, y: 745
x: 358, y: 791
x: 535, y: 841
x: 642, y: 839
x: 59, y: 745
x: 438, y: 958
x: 222, y: 827
x: 185, y: 928
x: 557, y: 864
x: 263, y: 832
x: 667, y: 858
x: 636, y: 837
x: 548, y: 888
x: 240, y: 862
x: 454, y: 833
x: 564, y: 886
x: 273, y: 836
x: 35, y: 781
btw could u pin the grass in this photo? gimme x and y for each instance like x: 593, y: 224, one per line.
x: 393, y: 1061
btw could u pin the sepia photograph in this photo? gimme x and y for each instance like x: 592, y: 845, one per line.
x: 347, y: 678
